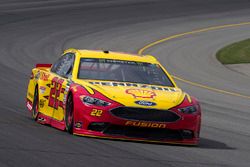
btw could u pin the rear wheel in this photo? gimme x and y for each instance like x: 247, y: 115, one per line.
x: 35, y: 108
x: 69, y: 114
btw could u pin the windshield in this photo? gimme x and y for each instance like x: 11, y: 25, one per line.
x: 123, y: 71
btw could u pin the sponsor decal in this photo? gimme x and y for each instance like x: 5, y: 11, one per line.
x: 41, y: 119
x: 67, y: 89
x: 145, y: 103
x: 29, y: 106
x: 162, y: 88
x: 78, y: 124
x: 42, y: 89
x: 145, y: 124
x: 44, y: 76
x: 41, y: 103
x: 141, y: 93
x: 64, y: 99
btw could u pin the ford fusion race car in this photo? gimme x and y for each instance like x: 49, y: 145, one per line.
x: 113, y: 95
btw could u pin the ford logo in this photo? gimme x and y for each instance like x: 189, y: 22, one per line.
x: 145, y: 103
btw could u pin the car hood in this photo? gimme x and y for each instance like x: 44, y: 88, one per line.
x: 138, y: 95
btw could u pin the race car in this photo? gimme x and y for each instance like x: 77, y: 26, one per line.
x: 113, y: 95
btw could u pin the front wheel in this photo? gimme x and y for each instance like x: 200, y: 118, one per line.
x: 69, y: 114
x: 35, y: 108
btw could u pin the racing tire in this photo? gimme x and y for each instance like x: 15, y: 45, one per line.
x: 35, y: 108
x: 69, y: 114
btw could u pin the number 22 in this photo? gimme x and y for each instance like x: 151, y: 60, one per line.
x: 56, y: 86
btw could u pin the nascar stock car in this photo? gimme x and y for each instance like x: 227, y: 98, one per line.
x: 113, y: 95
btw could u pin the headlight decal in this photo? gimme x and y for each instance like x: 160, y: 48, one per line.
x: 189, y: 109
x: 94, y: 101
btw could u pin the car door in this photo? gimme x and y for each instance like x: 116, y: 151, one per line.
x: 62, y: 71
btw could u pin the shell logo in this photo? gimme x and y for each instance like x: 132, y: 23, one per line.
x: 141, y: 93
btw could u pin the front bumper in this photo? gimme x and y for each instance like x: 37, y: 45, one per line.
x: 184, y: 130
x: 118, y: 132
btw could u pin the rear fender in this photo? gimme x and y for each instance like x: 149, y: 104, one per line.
x: 33, y: 82
x: 37, y: 79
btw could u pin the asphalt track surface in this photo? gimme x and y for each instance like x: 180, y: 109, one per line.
x: 38, y: 31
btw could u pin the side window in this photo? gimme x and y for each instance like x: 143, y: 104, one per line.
x: 64, y: 65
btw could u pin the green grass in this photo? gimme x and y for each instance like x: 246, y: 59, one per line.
x: 235, y: 53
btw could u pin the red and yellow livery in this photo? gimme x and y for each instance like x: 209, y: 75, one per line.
x: 113, y: 95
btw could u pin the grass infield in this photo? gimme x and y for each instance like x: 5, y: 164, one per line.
x: 235, y: 53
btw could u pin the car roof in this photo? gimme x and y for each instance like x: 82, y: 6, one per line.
x: 113, y: 55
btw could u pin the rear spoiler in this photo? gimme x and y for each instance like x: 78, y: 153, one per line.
x: 43, y: 65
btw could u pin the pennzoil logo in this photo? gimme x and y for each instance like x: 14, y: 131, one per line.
x: 44, y: 76
x: 145, y: 124
x: 141, y: 93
